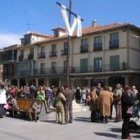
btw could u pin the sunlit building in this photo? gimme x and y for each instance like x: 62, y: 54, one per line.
x: 107, y: 54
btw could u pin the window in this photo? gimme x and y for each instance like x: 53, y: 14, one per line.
x: 65, y: 51
x: 21, y: 56
x: 31, y: 54
x: 31, y: 50
x: 53, y: 67
x: 114, y: 40
x: 65, y: 45
x: 42, y: 52
x: 65, y: 66
x: 98, y: 64
x: 97, y: 43
x: 42, y: 68
x: 84, y: 45
x: 22, y: 52
x: 114, y: 63
x: 84, y: 65
x: 54, y: 48
x: 53, y: 52
x: 56, y: 33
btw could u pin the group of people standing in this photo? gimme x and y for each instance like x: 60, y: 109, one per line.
x: 63, y: 104
x: 102, y: 99
x: 61, y: 98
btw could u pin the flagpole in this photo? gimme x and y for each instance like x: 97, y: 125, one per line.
x: 69, y: 10
x: 69, y: 40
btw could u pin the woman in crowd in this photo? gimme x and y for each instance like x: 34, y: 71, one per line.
x: 105, y: 101
x: 40, y: 94
x: 93, y: 105
x: 59, y: 104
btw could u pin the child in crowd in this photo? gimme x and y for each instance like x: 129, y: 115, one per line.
x: 35, y: 110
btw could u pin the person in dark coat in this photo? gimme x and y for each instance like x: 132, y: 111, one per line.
x: 78, y: 95
x: 69, y: 95
x: 127, y: 100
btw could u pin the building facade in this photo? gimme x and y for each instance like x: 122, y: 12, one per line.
x: 107, y: 54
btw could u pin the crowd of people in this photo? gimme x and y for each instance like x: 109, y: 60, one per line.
x: 59, y: 98
x: 100, y: 100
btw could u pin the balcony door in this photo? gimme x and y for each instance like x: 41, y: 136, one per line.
x: 98, y: 64
x: 114, y: 62
x: 84, y: 65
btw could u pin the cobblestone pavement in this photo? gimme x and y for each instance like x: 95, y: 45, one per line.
x: 47, y: 129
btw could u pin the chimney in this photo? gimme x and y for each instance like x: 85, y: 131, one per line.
x: 94, y: 23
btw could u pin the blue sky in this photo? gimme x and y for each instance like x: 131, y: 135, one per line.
x: 19, y: 16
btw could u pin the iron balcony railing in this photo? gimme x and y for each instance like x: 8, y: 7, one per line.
x: 64, y: 52
x: 30, y: 56
x: 114, y: 44
x: 41, y: 55
x: 24, y: 68
x: 102, y: 68
x: 97, y: 47
x: 53, y: 54
x: 84, y: 49
x: 63, y: 70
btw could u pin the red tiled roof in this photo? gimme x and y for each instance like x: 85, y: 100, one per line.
x: 37, y: 34
x: 100, y: 28
x: 90, y: 30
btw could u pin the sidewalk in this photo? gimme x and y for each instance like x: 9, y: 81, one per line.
x: 47, y: 129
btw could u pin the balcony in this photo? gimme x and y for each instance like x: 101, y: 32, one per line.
x: 54, y: 70
x: 8, y: 73
x: 57, y: 71
x: 41, y: 55
x: 53, y: 54
x: 114, y: 44
x: 24, y: 69
x: 103, y: 68
x: 64, y: 70
x: 84, y: 49
x: 20, y: 58
x: 64, y: 52
x: 97, y: 46
x: 30, y: 56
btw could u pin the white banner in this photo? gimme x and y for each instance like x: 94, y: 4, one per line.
x: 75, y: 25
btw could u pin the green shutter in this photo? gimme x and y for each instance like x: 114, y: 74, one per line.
x: 114, y: 63
x: 84, y: 65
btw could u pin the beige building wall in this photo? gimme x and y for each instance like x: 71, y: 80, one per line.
x: 75, y: 55
x: 105, y: 53
x: 134, y: 51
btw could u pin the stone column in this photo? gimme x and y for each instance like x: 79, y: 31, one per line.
x: 36, y: 82
x: 18, y: 83
x: 126, y: 80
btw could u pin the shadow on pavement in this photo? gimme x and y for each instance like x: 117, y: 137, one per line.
x: 107, y: 135
x: 136, y: 136
x: 48, y: 121
x: 119, y: 130
x: 83, y: 119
